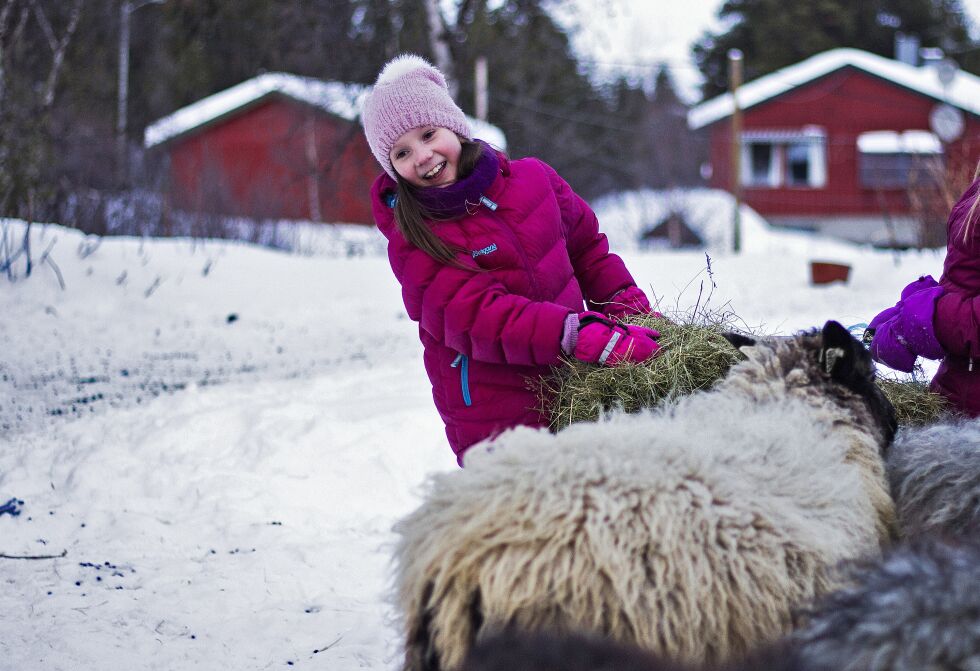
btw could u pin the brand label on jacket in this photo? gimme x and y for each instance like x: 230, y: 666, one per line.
x: 486, y: 250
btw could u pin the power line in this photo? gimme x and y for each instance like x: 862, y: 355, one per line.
x: 670, y: 64
x: 540, y: 108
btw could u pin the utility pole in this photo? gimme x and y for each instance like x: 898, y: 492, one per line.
x: 482, y: 98
x: 122, y: 156
x: 734, y: 82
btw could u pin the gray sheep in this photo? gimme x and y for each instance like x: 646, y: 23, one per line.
x: 917, y: 610
x: 934, y: 474
x: 692, y: 531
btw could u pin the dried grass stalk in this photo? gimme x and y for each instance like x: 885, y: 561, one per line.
x: 914, y: 403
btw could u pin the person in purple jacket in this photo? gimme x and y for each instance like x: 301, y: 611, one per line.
x: 496, y: 259
x: 941, y: 320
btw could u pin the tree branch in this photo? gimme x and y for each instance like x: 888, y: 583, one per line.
x: 46, y: 257
x: 25, y: 13
x: 59, y: 54
x: 8, y: 6
x: 6, y: 556
x: 42, y: 21
x: 439, y: 42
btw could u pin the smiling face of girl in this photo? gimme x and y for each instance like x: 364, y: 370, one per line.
x: 427, y: 156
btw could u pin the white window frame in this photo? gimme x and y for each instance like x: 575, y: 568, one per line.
x: 777, y: 176
x: 896, y: 154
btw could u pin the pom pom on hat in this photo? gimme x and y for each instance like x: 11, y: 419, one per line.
x: 409, y: 93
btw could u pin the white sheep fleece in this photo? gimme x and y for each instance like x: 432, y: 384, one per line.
x: 692, y: 531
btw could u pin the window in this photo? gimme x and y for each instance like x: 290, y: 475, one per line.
x: 892, y: 160
x: 762, y: 164
x: 775, y: 158
x: 798, y: 165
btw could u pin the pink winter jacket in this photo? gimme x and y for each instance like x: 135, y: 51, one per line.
x: 957, y: 317
x: 487, y: 330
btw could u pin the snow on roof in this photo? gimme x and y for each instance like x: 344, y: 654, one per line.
x: 334, y: 97
x: 343, y: 100
x: 963, y: 92
x: 892, y: 142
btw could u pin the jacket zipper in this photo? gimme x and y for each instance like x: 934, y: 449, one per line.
x: 463, y: 363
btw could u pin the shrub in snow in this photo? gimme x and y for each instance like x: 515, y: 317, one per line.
x: 934, y: 473
x: 692, y: 530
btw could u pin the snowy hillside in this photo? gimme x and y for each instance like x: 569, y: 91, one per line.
x: 212, y: 440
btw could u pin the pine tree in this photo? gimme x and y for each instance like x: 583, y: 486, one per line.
x: 773, y: 33
x: 678, y: 151
x: 547, y: 107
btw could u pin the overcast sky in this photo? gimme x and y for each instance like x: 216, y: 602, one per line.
x: 631, y: 36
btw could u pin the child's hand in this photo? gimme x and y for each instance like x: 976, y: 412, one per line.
x: 604, y: 341
x: 899, y: 334
x: 629, y: 301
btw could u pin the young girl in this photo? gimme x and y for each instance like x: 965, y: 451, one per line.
x: 495, y: 259
x: 941, y: 320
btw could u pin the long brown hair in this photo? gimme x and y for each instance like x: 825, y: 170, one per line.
x: 974, y: 213
x: 413, y: 219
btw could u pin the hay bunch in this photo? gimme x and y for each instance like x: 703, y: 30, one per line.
x: 914, y: 403
x: 695, y: 355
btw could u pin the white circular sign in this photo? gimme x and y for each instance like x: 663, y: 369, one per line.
x: 947, y: 122
x: 946, y: 71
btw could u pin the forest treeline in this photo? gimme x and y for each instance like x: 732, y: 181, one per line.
x: 60, y: 134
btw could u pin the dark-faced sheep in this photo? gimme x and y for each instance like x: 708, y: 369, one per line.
x: 934, y: 473
x: 692, y: 531
x: 511, y: 650
x: 917, y: 610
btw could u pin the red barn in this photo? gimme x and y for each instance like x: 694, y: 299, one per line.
x: 276, y: 146
x: 841, y: 142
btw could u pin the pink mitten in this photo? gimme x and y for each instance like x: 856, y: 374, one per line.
x: 604, y: 341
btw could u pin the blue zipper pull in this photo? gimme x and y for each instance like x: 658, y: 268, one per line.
x: 489, y: 203
x: 464, y: 377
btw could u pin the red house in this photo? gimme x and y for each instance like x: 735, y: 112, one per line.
x: 276, y: 146
x: 838, y: 142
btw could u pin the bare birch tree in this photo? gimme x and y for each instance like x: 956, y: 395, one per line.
x: 439, y: 43
x: 24, y: 134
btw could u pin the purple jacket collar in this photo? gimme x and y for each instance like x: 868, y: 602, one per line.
x: 463, y: 196
x: 384, y: 187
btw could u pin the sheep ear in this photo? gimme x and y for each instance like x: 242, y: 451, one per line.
x: 842, y: 356
x: 738, y: 340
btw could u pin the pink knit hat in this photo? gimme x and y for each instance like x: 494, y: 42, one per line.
x: 410, y: 93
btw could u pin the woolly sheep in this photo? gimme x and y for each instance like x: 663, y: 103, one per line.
x: 934, y: 474
x: 691, y: 531
x: 918, y: 609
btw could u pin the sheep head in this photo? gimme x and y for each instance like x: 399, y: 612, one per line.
x: 829, y: 369
x: 832, y: 359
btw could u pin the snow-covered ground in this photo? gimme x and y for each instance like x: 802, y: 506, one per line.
x: 213, y: 439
